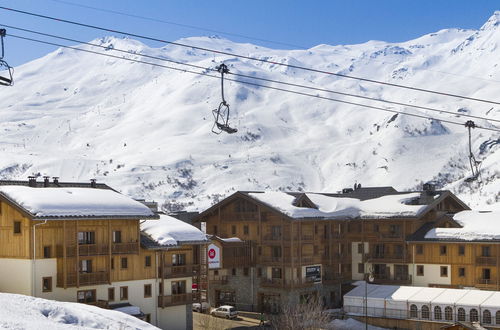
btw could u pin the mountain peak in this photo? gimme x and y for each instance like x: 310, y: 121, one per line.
x: 493, y: 22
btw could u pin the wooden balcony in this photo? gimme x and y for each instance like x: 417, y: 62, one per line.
x: 175, y: 300
x: 486, y: 261
x: 84, y: 279
x: 271, y: 238
x: 85, y: 250
x: 125, y: 248
x: 390, y: 279
x: 333, y: 278
x: 386, y: 257
x: 391, y: 236
x: 218, y: 279
x: 486, y: 282
x: 282, y: 283
x: 177, y: 271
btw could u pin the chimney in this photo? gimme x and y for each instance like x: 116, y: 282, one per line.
x: 428, y: 192
x: 32, y: 181
x: 55, y: 180
x: 46, y: 181
x: 93, y: 183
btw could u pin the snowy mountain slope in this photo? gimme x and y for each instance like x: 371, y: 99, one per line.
x: 146, y: 130
x: 29, y: 313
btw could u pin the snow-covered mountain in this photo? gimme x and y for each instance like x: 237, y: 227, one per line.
x: 147, y: 130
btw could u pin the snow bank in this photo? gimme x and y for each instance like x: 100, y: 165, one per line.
x: 340, y: 207
x: 475, y: 226
x: 171, y: 231
x: 24, y: 312
x: 350, y: 324
x: 83, y: 202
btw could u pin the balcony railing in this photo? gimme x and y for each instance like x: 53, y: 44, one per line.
x: 175, y: 300
x: 386, y: 256
x: 84, y: 279
x: 218, y: 279
x: 125, y: 248
x: 486, y: 281
x: 85, y: 250
x: 177, y: 271
x: 279, y: 282
x: 272, y: 237
x: 486, y: 261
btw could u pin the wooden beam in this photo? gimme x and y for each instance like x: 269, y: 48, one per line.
x: 65, y: 260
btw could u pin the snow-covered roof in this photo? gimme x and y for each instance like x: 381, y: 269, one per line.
x: 231, y: 240
x: 476, y: 225
x: 425, y: 295
x: 169, y: 231
x: 29, y: 313
x: 342, y: 207
x: 74, y: 202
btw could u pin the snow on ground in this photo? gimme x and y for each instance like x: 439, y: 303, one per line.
x: 55, y: 202
x: 475, y: 226
x: 20, y: 312
x: 339, y: 207
x: 350, y: 324
x: 171, y: 231
x: 146, y: 130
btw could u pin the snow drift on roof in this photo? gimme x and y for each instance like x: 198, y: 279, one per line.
x: 341, y: 207
x: 29, y: 313
x: 77, y: 202
x: 169, y: 231
x: 475, y: 226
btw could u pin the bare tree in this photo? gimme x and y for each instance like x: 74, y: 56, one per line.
x: 304, y: 316
x: 209, y: 322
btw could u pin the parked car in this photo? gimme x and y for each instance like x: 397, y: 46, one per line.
x: 200, y: 308
x: 229, y: 312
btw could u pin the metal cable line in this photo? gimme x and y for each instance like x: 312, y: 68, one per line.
x: 257, y: 85
x: 258, y: 78
x: 252, y: 58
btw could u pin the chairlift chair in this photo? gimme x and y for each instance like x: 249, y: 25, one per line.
x: 221, y: 114
x: 7, y: 80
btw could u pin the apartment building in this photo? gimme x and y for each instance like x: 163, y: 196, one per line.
x: 88, y: 243
x: 278, y: 247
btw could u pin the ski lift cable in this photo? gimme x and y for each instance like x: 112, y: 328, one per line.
x: 259, y: 78
x: 256, y: 85
x: 251, y: 58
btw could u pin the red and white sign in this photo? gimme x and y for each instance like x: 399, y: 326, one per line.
x: 213, y: 256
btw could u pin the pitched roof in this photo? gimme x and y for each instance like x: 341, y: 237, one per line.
x: 67, y: 202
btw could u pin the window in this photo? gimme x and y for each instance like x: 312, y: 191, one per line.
x: 376, y: 228
x: 448, y: 313
x: 473, y: 315
x: 461, y: 250
x: 17, y: 227
x: 117, y: 236
x: 276, y: 252
x: 461, y: 314
x: 47, y: 252
x: 276, y: 273
x: 485, y: 251
x: 233, y: 230
x: 86, y: 266
x: 123, y: 292
x: 420, y: 270
x: 147, y: 290
x: 425, y: 312
x: 360, y: 248
x: 124, y: 263
x: 259, y: 272
x: 486, y: 274
x: 178, y: 259
x: 241, y: 206
x: 413, y: 311
x: 395, y: 230
x: 147, y: 261
x: 245, y: 271
x: 112, y: 263
x: 486, y: 317
x: 461, y: 272
x: 111, y: 294
x: 259, y: 250
x: 497, y: 317
x: 442, y: 250
x: 246, y: 231
x: 398, y: 250
x: 148, y: 318
x: 444, y: 271
x: 86, y: 237
x: 437, y: 313
x: 276, y: 232
x: 160, y: 288
x: 420, y: 249
x: 361, y: 268
x: 233, y: 271
x: 47, y: 284
x: 178, y: 287
x: 86, y: 296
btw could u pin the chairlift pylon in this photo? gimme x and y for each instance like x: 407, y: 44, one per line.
x: 221, y: 114
x: 5, y: 80
x: 474, y: 164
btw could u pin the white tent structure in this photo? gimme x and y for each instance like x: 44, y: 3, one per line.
x: 424, y: 303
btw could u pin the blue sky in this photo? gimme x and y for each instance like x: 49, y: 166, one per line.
x: 301, y: 23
